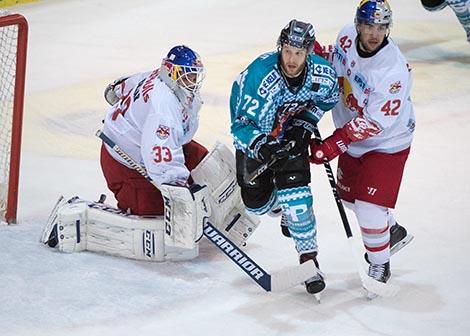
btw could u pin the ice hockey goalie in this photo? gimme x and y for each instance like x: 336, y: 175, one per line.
x: 77, y: 225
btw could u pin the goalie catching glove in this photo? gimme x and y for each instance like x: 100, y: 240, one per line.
x: 113, y: 91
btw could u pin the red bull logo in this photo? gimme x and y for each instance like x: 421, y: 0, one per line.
x: 349, y: 100
x: 353, y: 104
x: 163, y: 132
x: 395, y: 87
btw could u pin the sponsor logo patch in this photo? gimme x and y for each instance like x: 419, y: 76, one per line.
x: 234, y: 253
x: 163, y: 132
x: 148, y: 244
x: 395, y: 87
x: 269, y: 83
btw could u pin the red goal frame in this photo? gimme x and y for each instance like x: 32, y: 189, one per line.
x: 18, y: 104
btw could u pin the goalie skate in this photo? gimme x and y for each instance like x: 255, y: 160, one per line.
x: 49, y: 232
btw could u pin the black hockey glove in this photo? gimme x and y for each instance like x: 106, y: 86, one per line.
x: 274, y: 152
x: 300, y: 131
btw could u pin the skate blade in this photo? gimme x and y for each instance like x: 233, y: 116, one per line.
x: 317, y: 297
x: 371, y: 296
x: 51, y: 221
x: 401, y: 244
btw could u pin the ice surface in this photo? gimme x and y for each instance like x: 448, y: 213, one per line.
x: 77, y: 47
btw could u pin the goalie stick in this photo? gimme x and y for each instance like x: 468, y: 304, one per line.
x: 274, y: 282
x: 371, y: 285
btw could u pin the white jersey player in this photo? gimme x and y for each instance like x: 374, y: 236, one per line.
x: 374, y: 129
x: 153, y: 119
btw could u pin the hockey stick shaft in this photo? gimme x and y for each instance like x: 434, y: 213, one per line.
x: 331, y: 179
x: 269, y: 282
x: 368, y: 283
x: 261, y: 169
x: 124, y: 155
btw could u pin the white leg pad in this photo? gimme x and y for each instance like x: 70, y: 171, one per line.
x: 185, y: 213
x: 217, y: 172
x: 93, y: 226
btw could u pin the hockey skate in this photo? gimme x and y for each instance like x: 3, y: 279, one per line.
x: 399, y: 238
x: 276, y: 212
x: 49, y: 232
x: 461, y: 9
x: 378, y: 272
x: 285, y: 226
x: 49, y: 235
x: 315, y: 284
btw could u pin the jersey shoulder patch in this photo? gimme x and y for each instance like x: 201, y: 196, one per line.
x: 263, y: 74
x: 322, y: 67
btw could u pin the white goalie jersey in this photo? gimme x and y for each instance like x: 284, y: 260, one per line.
x: 375, y: 96
x: 151, y: 125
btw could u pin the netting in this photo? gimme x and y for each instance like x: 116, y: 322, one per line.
x: 8, y: 51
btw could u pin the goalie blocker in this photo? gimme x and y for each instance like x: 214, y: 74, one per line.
x: 78, y: 225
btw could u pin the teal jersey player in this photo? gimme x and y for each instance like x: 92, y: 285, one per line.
x: 274, y: 106
x: 263, y: 103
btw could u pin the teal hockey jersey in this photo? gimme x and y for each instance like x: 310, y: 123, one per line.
x: 261, y: 102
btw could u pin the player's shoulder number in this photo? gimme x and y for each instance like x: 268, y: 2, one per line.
x: 250, y: 105
x: 345, y: 43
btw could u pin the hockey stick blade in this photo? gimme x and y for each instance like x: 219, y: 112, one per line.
x: 276, y: 282
x: 292, y: 276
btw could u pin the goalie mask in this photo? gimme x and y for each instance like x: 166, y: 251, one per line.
x: 183, y: 71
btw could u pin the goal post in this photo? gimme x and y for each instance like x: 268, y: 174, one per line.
x: 13, y: 48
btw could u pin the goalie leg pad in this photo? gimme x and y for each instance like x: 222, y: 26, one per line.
x: 93, y: 226
x: 186, y: 211
x: 72, y: 227
x: 217, y: 172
